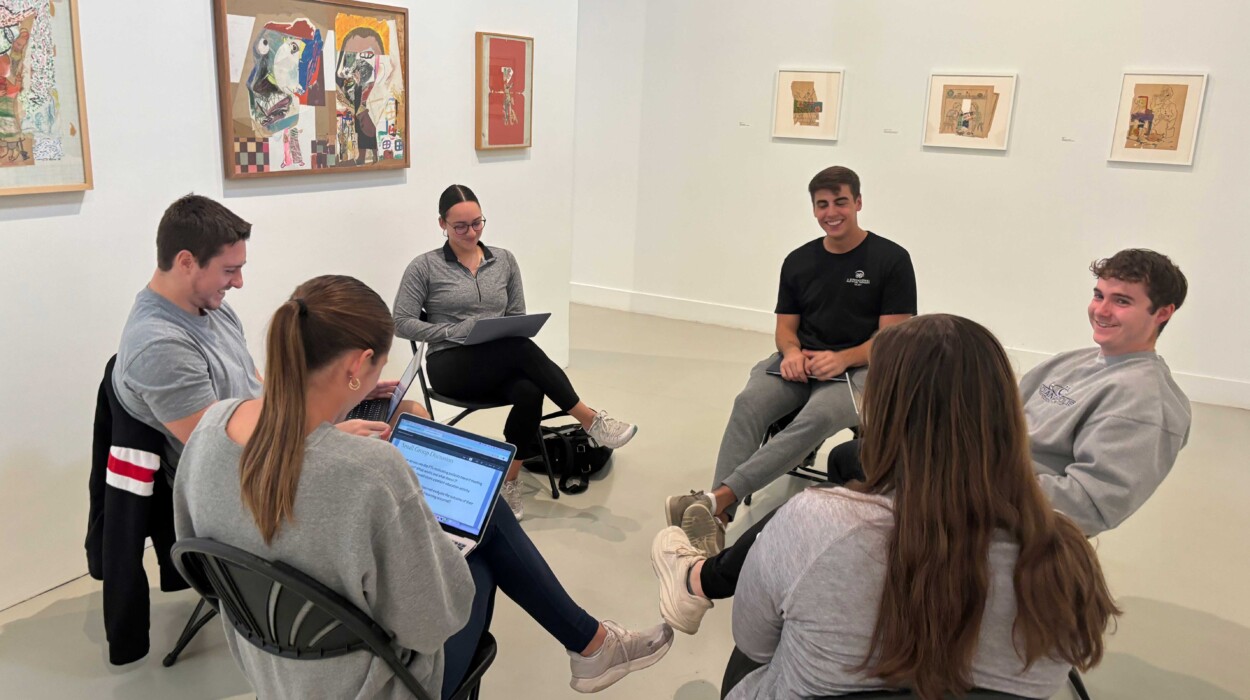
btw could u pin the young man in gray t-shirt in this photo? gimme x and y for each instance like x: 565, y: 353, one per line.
x: 182, y: 348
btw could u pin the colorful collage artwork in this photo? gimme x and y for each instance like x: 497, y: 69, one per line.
x: 504, y: 91
x: 312, y: 86
x: 43, y: 120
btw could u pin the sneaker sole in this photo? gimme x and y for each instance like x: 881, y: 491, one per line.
x: 668, y: 606
x: 696, y: 519
x: 616, y: 673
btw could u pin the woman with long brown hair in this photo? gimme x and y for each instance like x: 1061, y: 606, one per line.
x: 272, y: 476
x: 947, y: 569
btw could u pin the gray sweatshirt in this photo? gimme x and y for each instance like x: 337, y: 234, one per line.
x: 1105, y: 431
x: 808, y: 596
x: 362, y: 528
x: 452, y: 298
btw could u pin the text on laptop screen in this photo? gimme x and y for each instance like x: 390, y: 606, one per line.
x: 457, y: 473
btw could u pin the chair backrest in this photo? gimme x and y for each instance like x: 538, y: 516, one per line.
x: 281, y: 610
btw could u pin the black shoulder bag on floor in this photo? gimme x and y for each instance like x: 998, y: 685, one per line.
x: 574, y: 456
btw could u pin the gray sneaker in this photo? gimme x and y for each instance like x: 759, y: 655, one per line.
x: 611, y: 432
x: 622, y: 653
x: 672, y: 557
x: 705, y: 532
x: 675, y: 506
x: 511, y: 493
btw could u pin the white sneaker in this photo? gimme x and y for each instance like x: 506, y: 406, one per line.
x: 511, y: 493
x: 622, y: 653
x: 672, y: 557
x: 611, y: 432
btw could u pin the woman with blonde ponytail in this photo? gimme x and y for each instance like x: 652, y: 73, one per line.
x: 274, y: 477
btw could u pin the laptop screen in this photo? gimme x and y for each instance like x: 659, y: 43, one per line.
x: 460, y: 472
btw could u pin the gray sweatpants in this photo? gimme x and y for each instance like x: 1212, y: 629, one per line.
x: 746, y: 467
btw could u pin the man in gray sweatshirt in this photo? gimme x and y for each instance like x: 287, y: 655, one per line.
x: 1107, y: 423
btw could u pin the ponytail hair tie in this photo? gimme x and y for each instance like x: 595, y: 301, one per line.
x: 303, y: 308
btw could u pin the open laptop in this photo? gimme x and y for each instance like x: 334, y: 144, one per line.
x: 384, y: 409
x: 488, y: 329
x: 774, y: 368
x: 460, y: 473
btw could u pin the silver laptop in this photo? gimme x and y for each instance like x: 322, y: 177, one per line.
x: 488, y: 329
x: 384, y: 409
x: 460, y: 473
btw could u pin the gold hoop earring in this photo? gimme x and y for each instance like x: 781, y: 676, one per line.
x: 353, y: 384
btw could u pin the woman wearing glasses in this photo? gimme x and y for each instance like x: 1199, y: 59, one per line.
x: 454, y: 286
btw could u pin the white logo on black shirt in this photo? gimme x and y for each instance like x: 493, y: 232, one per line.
x: 858, y: 280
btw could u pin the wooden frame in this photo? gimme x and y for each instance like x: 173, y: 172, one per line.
x: 497, y: 124
x: 988, y: 99
x: 1150, y: 127
x: 66, y: 140
x: 821, y: 121
x: 304, y: 119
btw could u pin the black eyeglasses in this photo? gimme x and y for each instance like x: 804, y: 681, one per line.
x: 463, y: 228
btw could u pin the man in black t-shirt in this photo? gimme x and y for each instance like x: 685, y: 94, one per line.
x: 835, y: 293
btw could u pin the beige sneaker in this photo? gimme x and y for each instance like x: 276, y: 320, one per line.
x: 511, y: 493
x: 706, y: 533
x: 672, y: 557
x: 622, y: 653
x: 675, y: 506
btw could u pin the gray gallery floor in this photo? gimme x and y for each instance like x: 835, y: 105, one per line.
x: 1177, y: 567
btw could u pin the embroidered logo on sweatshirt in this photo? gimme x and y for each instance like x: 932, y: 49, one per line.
x: 858, y: 280
x: 1053, y: 393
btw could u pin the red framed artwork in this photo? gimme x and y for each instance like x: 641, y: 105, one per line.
x: 504, y: 91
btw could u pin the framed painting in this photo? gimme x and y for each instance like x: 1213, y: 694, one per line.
x: 969, y: 110
x: 1158, y: 118
x: 311, y: 87
x: 504, y: 103
x: 43, y: 111
x: 808, y: 104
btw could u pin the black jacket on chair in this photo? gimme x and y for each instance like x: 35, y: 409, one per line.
x: 131, y: 500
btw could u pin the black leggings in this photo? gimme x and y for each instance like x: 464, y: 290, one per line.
x: 512, y: 371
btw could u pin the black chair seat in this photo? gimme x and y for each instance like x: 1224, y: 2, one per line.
x: 282, y: 611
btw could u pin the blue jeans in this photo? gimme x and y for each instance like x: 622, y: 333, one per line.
x: 507, y: 559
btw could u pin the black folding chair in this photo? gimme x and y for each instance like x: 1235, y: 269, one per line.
x: 470, y: 406
x: 283, y: 611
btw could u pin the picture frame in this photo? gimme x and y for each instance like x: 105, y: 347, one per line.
x: 808, y: 104
x: 311, y: 87
x: 969, y: 110
x: 44, y: 142
x: 1158, y: 118
x: 503, y: 91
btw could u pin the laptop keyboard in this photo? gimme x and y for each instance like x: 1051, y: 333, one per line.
x: 373, y: 409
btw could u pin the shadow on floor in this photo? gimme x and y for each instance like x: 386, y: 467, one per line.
x: 60, y: 652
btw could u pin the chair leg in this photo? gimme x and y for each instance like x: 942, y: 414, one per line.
x: 188, y: 632
x: 551, y: 477
x: 1078, y: 685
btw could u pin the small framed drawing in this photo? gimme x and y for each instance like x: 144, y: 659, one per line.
x: 969, y: 110
x: 504, y: 104
x: 43, y: 112
x: 808, y: 104
x: 1158, y: 118
x: 311, y: 87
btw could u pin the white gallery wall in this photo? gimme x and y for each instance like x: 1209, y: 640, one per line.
x: 685, y: 206
x: 73, y: 262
